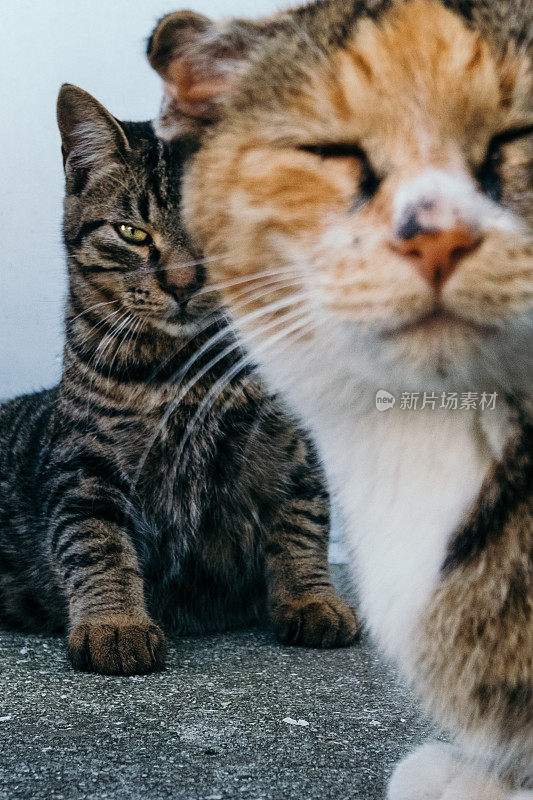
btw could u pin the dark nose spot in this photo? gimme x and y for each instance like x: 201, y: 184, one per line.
x: 410, y: 227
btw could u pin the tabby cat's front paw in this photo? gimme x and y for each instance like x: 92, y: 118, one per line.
x: 314, y: 620
x: 117, y: 646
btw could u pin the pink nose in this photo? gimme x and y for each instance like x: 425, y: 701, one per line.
x: 180, y: 281
x: 436, y: 253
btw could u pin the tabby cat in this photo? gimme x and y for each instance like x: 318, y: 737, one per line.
x: 131, y: 494
x: 377, y: 158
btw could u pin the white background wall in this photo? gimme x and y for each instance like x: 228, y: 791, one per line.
x: 99, y: 45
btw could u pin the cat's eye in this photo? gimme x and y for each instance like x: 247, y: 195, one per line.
x: 369, y: 180
x: 488, y: 173
x: 132, y: 234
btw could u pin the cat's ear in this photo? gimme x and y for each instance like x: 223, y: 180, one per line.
x: 199, y: 61
x: 89, y: 133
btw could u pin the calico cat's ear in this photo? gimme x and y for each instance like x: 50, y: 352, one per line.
x: 89, y: 133
x: 199, y: 61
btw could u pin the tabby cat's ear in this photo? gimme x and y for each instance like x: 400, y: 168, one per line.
x: 199, y: 61
x: 89, y: 133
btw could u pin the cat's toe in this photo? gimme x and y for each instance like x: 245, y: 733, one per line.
x: 316, y: 621
x: 117, y: 646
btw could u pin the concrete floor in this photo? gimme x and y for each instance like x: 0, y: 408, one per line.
x: 213, y: 725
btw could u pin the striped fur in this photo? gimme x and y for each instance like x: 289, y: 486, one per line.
x: 123, y: 505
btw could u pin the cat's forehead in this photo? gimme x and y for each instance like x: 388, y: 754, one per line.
x: 144, y: 183
x: 416, y: 72
x: 422, y: 74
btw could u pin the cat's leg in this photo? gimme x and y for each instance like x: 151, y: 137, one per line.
x: 96, y: 565
x: 436, y: 771
x: 304, y: 606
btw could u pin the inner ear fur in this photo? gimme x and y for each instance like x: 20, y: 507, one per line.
x: 200, y: 62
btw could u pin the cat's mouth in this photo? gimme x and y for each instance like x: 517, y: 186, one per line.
x: 440, y: 320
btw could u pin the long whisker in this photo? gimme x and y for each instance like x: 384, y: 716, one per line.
x: 130, y: 340
x: 212, y: 315
x: 90, y: 367
x: 251, y: 295
x: 107, y: 340
x: 91, y: 308
x: 209, y: 319
x: 268, y: 309
x: 216, y: 287
x: 119, y: 344
x: 219, y: 387
x: 104, y: 320
x: 94, y: 360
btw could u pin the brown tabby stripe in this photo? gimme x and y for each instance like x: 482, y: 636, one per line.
x: 506, y: 490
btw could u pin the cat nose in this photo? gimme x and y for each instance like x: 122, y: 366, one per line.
x: 435, y: 253
x: 181, y: 282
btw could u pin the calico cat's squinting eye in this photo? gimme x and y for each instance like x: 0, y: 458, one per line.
x: 369, y: 181
x: 488, y: 174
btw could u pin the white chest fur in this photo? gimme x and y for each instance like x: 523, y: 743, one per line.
x: 406, y: 480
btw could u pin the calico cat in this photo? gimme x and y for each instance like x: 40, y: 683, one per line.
x: 131, y: 495
x: 377, y: 158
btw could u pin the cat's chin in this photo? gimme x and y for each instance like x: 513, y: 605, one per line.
x: 445, y: 352
x: 176, y: 329
x: 189, y: 323
x: 441, y: 322
x: 437, y: 355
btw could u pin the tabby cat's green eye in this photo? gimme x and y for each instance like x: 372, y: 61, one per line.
x: 132, y: 234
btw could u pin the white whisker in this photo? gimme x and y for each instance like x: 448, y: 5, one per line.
x: 219, y: 286
x: 91, y: 308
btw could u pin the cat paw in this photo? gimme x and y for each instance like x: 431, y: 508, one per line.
x: 436, y: 771
x: 316, y: 621
x: 117, y: 646
x: 425, y: 774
